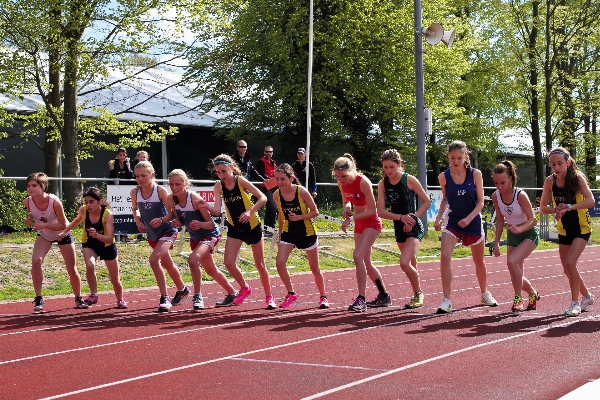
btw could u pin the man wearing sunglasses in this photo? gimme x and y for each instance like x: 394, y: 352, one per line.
x: 242, y: 159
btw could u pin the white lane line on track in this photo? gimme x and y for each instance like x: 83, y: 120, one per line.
x: 429, y: 360
x: 280, y: 346
x: 308, y: 364
x: 333, y: 390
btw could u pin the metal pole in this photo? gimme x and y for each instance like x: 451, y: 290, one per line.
x: 421, y: 127
x: 309, y: 101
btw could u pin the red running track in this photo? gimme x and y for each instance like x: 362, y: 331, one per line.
x: 251, y: 353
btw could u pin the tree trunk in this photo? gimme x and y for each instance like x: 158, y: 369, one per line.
x: 73, y: 189
x: 535, y: 99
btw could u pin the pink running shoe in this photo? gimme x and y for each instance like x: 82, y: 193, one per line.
x: 270, y: 303
x: 323, y: 302
x: 91, y: 299
x: 243, y: 293
x: 289, y: 299
x: 122, y: 304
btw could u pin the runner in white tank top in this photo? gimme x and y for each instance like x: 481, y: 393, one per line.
x: 47, y: 217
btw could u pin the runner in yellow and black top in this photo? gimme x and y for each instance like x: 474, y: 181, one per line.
x: 297, y: 209
x: 571, y: 198
x: 98, y: 242
x: 242, y: 223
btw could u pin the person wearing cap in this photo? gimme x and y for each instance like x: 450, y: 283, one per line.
x: 299, y: 167
x: 266, y: 167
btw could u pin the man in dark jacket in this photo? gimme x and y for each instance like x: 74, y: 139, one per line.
x: 266, y: 167
x: 299, y: 167
x: 242, y: 159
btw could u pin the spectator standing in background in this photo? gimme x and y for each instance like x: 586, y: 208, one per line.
x: 242, y: 159
x: 120, y: 167
x: 266, y: 167
x: 300, y: 167
x: 141, y: 155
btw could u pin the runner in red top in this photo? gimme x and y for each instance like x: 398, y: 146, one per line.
x: 357, y: 191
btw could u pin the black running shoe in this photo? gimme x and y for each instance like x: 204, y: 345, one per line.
x: 38, y: 303
x: 180, y: 295
x: 227, y: 301
x: 380, y: 301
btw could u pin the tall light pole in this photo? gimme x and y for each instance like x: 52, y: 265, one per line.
x: 421, y: 127
x: 434, y: 34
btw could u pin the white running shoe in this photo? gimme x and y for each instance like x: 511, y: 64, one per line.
x: 574, y: 310
x: 445, y: 307
x: 587, y: 301
x: 488, y: 300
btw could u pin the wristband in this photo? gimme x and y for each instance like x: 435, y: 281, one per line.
x: 161, y: 220
x: 351, y: 218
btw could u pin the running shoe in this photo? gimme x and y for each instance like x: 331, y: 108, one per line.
x: 180, y: 295
x: 91, y: 299
x: 533, y: 299
x: 289, y: 299
x: 416, y: 302
x: 228, y: 300
x: 271, y: 305
x: 488, y: 300
x: 198, y: 301
x: 380, y: 301
x: 445, y: 307
x: 80, y: 303
x: 38, y: 303
x: 122, y: 304
x: 587, y: 301
x: 518, y: 305
x: 359, y: 305
x: 323, y: 302
x: 242, y: 294
x: 165, y: 304
x: 574, y: 310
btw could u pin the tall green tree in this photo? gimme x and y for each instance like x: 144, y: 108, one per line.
x: 57, y: 49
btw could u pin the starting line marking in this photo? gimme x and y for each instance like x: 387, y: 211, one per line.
x: 308, y: 364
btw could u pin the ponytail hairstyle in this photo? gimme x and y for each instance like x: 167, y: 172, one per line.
x: 95, y: 194
x: 225, y: 159
x: 183, y: 176
x: 391, y: 155
x: 40, y: 178
x: 462, y: 146
x: 345, y: 164
x: 510, y: 169
x: 287, y: 169
x: 573, y: 172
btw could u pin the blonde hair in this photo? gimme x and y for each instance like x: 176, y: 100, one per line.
x: 181, y: 174
x: 345, y: 164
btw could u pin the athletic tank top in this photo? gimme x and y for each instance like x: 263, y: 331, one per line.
x: 304, y: 227
x: 573, y: 222
x: 462, y: 199
x: 99, y: 226
x: 237, y: 201
x: 353, y: 194
x: 46, y: 216
x: 401, y: 199
x: 513, y: 213
x: 187, y: 213
x: 151, y: 208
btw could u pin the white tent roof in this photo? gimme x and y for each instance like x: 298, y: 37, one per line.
x: 151, y: 96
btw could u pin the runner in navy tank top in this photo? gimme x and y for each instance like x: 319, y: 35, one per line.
x: 204, y: 236
x: 462, y: 192
x: 149, y: 199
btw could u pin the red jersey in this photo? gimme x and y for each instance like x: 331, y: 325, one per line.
x: 353, y: 194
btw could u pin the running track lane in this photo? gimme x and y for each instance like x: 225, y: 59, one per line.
x: 308, y: 353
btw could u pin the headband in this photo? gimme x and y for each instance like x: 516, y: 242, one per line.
x: 222, y: 162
